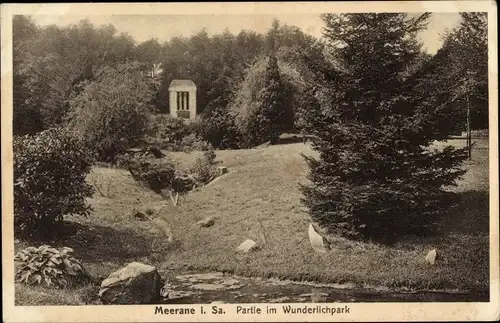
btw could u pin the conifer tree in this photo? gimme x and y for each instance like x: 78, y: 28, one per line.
x: 375, y: 175
x: 271, y: 116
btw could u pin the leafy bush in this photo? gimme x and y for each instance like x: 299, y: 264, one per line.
x: 176, y: 134
x: 203, y: 169
x: 49, y: 180
x: 114, y: 112
x: 159, y: 175
x: 48, y: 266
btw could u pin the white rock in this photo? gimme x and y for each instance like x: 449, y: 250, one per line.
x: 318, y: 243
x: 431, y: 257
x: 247, y: 245
x: 136, y: 283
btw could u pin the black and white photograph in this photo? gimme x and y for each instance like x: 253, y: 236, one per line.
x: 308, y: 162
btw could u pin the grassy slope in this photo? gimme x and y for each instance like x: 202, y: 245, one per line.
x: 259, y: 200
x: 260, y: 196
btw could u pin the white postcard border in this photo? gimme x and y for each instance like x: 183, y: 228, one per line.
x: 146, y: 313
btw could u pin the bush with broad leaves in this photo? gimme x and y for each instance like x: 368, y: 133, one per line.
x: 49, y: 267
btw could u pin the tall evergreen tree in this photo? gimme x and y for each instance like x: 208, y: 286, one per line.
x: 456, y: 78
x: 375, y: 176
x: 270, y: 116
x: 468, y: 66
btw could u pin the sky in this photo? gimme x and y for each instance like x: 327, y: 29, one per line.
x: 165, y: 27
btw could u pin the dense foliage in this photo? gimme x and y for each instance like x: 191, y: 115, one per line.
x: 49, y: 267
x: 115, y: 111
x: 375, y: 176
x: 272, y: 114
x: 217, y: 126
x: 457, y: 77
x: 49, y: 180
x: 50, y: 62
x: 167, y: 132
x: 256, y: 104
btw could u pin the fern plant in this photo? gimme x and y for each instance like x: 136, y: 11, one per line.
x: 49, y: 267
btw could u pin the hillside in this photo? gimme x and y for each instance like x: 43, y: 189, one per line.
x: 259, y: 199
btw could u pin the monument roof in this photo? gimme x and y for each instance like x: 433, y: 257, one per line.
x: 181, y: 83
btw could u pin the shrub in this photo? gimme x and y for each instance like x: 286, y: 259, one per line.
x: 48, y: 266
x: 159, y: 175
x: 176, y: 134
x: 203, y: 169
x: 49, y: 180
x: 217, y: 126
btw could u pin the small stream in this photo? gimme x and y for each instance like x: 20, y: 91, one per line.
x: 215, y: 287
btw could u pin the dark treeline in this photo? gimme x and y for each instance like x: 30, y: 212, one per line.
x: 50, y: 63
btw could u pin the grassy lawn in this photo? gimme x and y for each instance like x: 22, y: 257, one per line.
x: 259, y: 199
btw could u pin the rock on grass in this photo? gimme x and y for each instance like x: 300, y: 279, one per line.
x: 136, y: 283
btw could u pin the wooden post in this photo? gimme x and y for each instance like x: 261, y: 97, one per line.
x: 469, y: 135
x: 468, y: 139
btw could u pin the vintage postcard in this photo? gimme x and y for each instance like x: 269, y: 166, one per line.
x: 250, y: 162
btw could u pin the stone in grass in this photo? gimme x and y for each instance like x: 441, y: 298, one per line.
x: 247, y: 246
x: 318, y: 242
x: 136, y: 283
x: 221, y: 170
x: 431, y: 257
x: 205, y: 223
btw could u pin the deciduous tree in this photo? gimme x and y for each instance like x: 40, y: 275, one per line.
x: 114, y: 111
